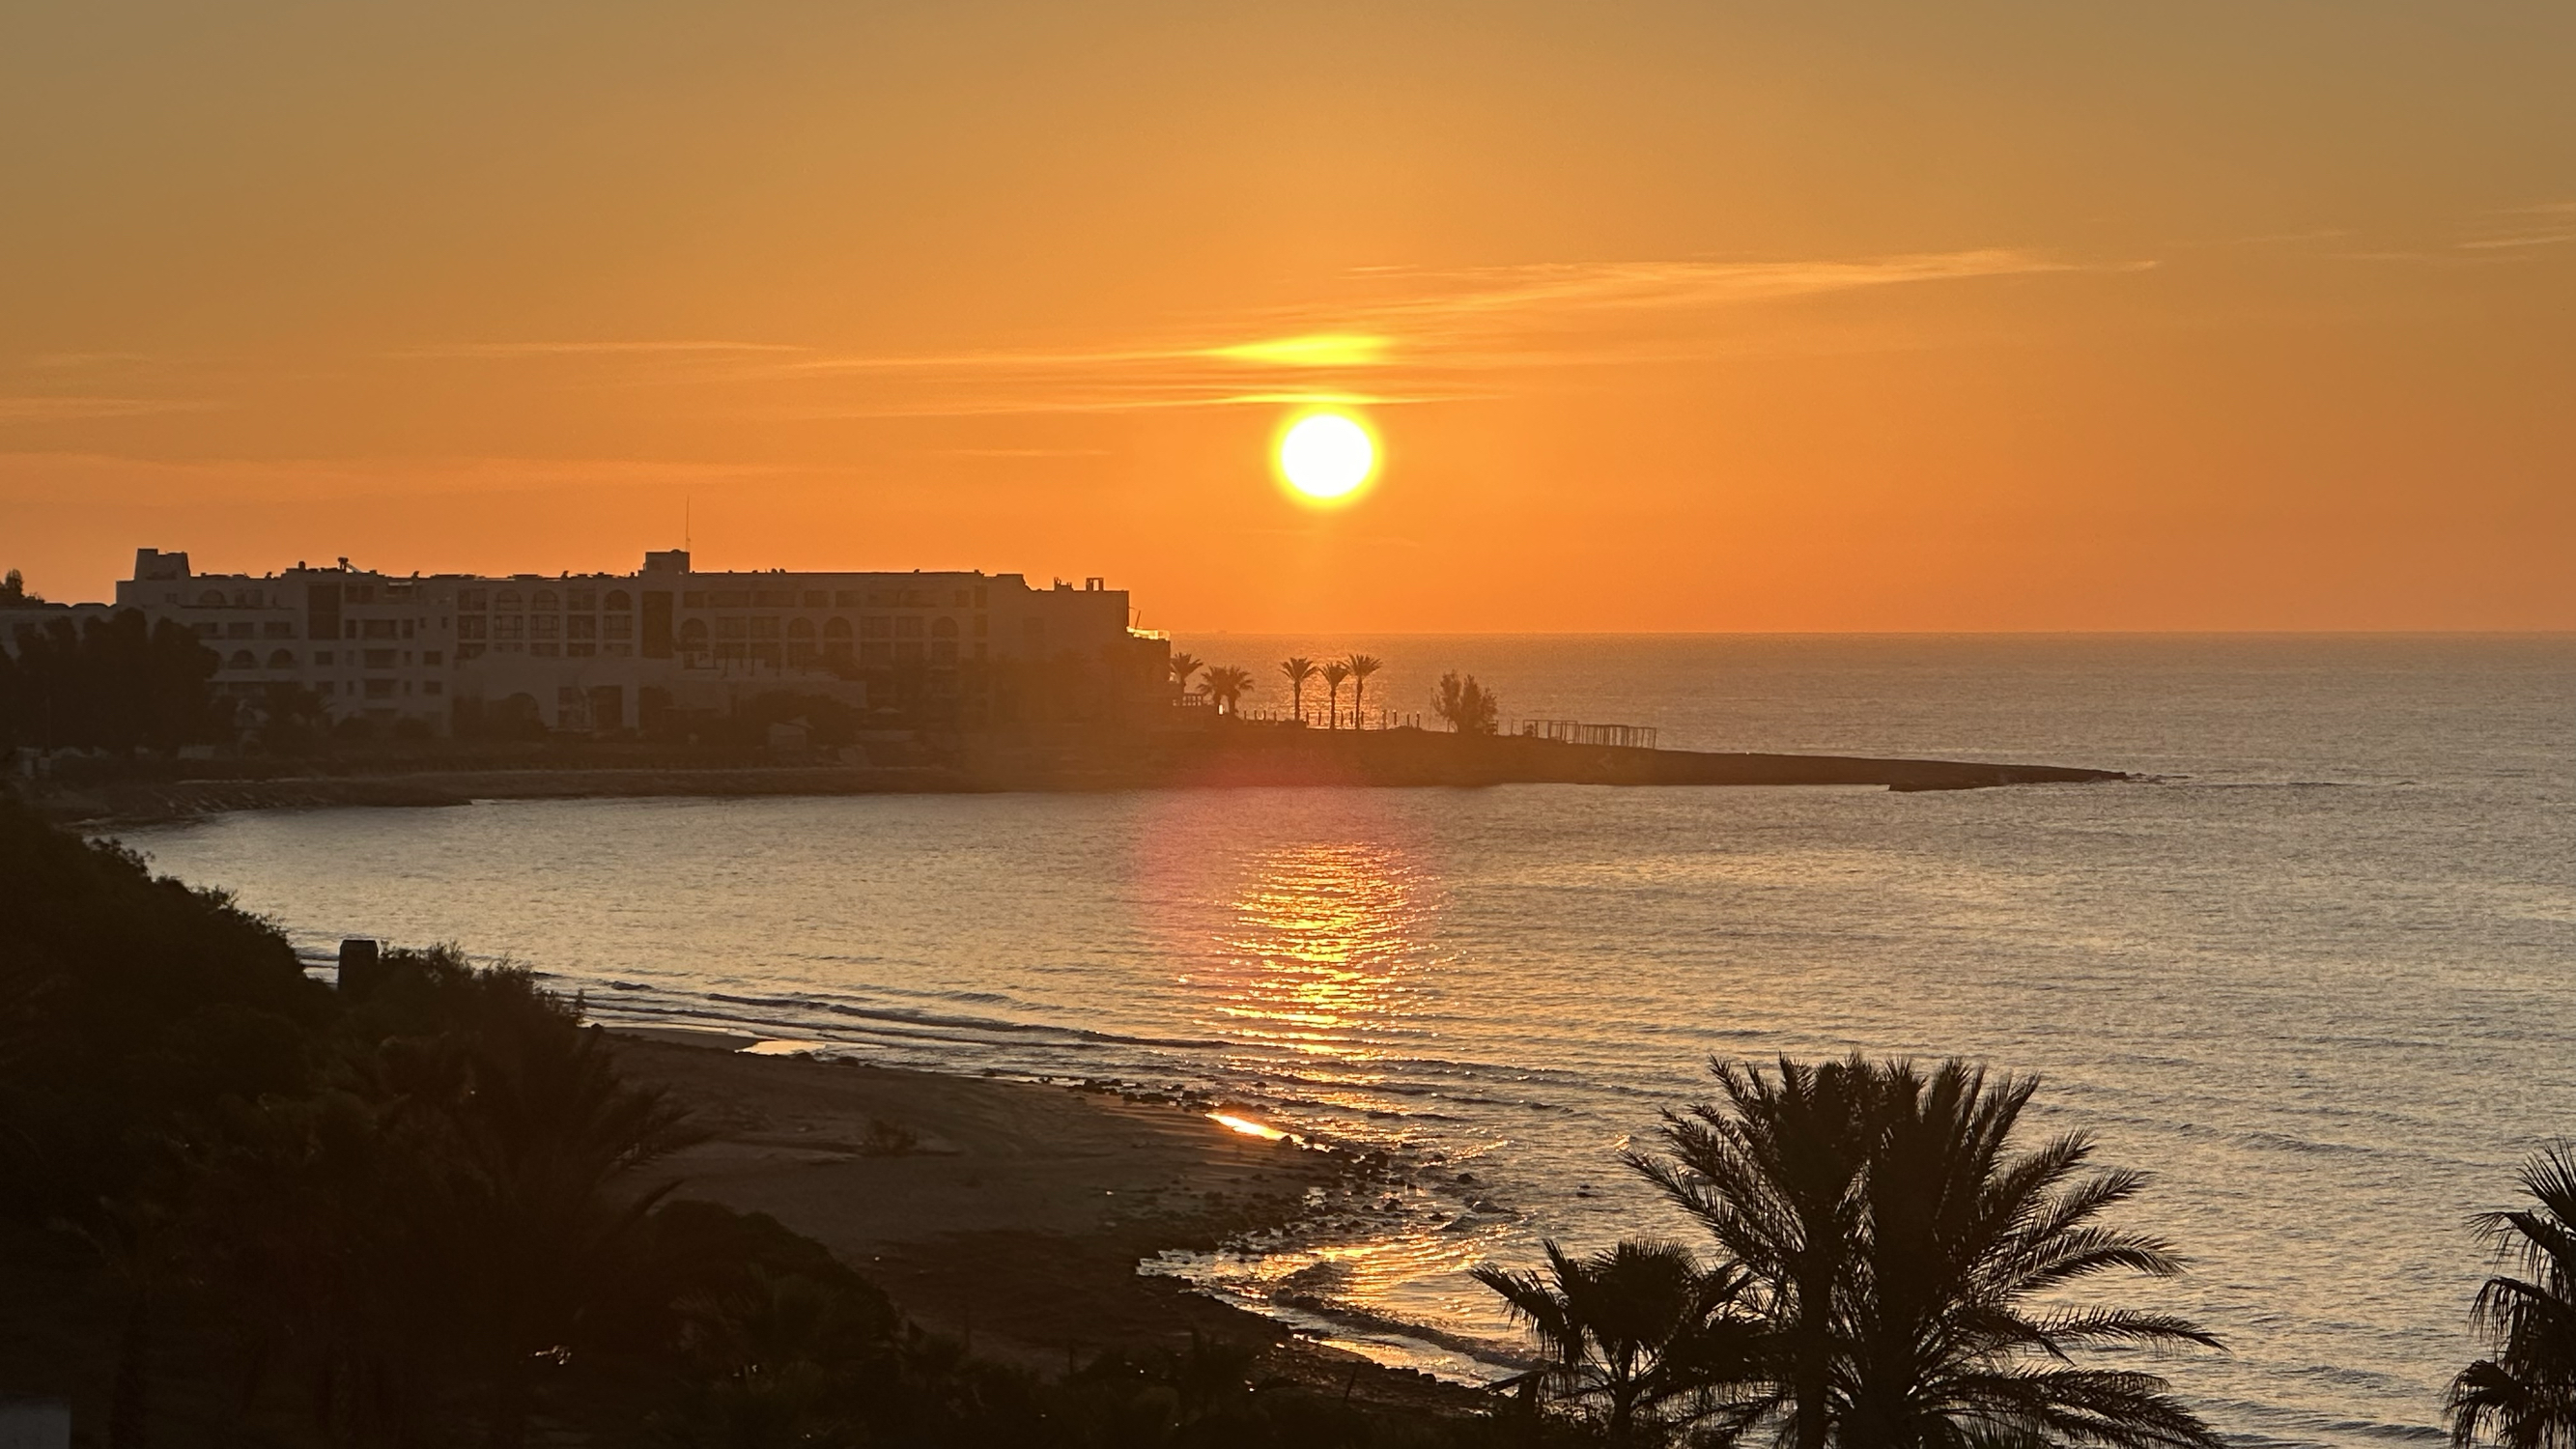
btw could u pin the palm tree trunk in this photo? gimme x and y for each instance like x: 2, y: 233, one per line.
x: 1811, y: 1411
x: 1810, y: 1370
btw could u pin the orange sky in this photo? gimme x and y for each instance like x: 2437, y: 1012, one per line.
x: 1700, y: 316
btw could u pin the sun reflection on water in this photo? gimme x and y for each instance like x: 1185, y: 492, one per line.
x: 1319, y: 961
x: 1316, y: 959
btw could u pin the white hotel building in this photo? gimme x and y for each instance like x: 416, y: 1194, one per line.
x: 603, y: 652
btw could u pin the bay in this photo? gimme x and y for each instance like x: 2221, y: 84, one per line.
x: 2316, y: 971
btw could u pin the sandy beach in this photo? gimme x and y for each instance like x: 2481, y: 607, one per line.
x: 1011, y: 1215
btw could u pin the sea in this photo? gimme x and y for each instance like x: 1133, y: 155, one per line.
x: 2313, y: 969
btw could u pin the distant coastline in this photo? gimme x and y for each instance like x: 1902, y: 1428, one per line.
x: 1249, y: 756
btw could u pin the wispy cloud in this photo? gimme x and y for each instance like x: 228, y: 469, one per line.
x: 1320, y: 349
x: 80, y: 361
x: 2497, y: 237
x: 1128, y: 400
x: 2276, y: 238
x: 2514, y: 243
x: 681, y: 348
x: 57, y: 408
x: 49, y: 477
x: 1560, y: 289
x: 1389, y: 336
x: 2547, y: 225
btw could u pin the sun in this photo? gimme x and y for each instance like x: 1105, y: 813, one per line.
x: 1326, y: 457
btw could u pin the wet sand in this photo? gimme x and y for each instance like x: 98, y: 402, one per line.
x: 1008, y: 1214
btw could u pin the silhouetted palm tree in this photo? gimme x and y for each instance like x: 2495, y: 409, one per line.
x: 1630, y: 1330
x: 1225, y: 686
x: 1896, y: 1246
x: 2527, y: 1390
x: 458, y: 1218
x: 1947, y: 1337
x: 1773, y: 1172
x: 1298, y: 669
x: 546, y: 1130
x: 1183, y: 666
x: 1361, y: 666
x: 1334, y: 674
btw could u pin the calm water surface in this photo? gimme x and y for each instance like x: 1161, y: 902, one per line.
x: 2319, y: 976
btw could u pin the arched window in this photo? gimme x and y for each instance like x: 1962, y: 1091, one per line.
x: 618, y: 602
x: 836, y: 628
x: 506, y: 599
x: 241, y: 660
x: 281, y: 659
x: 800, y: 628
x: 693, y: 635
x: 943, y: 627
x: 211, y: 598
x: 545, y: 599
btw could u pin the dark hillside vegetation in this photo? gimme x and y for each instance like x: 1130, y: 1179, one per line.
x: 113, y: 682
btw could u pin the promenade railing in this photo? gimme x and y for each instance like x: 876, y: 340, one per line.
x: 1576, y: 732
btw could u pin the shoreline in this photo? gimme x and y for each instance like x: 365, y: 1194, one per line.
x: 1253, y: 756
x: 1010, y: 1215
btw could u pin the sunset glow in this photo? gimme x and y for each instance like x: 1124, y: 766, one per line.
x: 2031, y: 318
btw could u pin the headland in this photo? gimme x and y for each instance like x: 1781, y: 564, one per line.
x: 1246, y: 755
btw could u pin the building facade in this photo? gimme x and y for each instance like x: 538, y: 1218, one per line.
x: 454, y: 653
